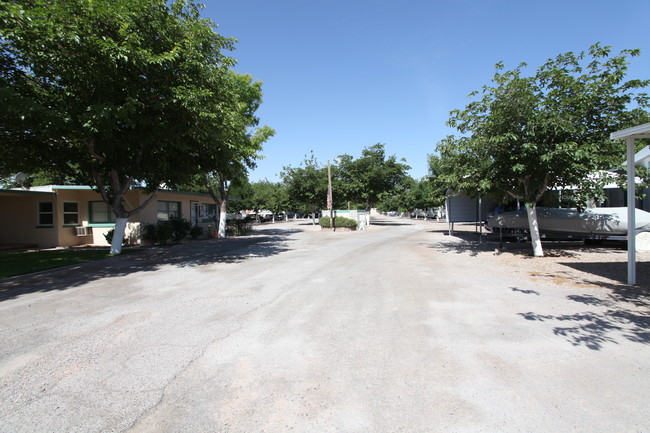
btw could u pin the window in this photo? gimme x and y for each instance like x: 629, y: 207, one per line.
x: 70, y: 213
x: 45, y: 213
x: 167, y: 209
x: 101, y: 213
x: 208, y: 212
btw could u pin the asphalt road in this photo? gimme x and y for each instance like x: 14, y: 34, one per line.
x: 293, y: 329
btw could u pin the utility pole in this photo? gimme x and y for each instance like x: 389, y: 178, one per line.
x: 329, y: 195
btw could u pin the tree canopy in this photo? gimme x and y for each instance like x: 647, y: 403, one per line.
x: 267, y: 195
x: 112, y: 93
x: 366, y: 178
x: 307, y: 184
x: 524, y: 135
x: 361, y: 181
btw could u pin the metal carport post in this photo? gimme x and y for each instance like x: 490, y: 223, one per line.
x: 630, y: 134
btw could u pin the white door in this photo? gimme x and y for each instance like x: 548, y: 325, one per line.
x: 194, y: 213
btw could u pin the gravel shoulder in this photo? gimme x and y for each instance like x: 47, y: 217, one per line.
x: 600, y: 269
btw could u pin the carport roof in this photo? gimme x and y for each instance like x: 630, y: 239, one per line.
x: 641, y: 131
x: 629, y: 135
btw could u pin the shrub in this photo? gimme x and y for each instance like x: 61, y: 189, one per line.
x: 109, y: 237
x: 239, y: 226
x: 195, y: 232
x: 180, y: 228
x: 149, y: 232
x: 164, y: 232
x: 339, y: 221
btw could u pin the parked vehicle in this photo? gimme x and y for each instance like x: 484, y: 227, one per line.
x: 595, y: 223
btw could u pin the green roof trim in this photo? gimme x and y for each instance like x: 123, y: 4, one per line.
x: 85, y: 187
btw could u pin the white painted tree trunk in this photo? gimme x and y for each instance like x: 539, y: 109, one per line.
x: 534, y: 231
x: 118, y: 235
x: 222, y: 218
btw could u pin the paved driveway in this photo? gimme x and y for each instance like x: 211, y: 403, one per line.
x: 297, y: 330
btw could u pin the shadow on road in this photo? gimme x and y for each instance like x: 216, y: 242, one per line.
x: 383, y: 222
x: 609, y: 269
x: 593, y: 330
x: 474, y: 243
x: 231, y: 250
x: 526, y: 292
x: 612, y: 321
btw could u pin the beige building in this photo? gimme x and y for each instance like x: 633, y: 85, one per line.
x: 67, y: 215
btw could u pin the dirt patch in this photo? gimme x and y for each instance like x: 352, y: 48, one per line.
x: 564, y: 263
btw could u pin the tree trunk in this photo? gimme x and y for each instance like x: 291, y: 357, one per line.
x: 113, y: 197
x: 534, y: 231
x: 118, y: 235
x: 222, y: 218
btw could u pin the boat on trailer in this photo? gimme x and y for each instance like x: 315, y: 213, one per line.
x: 561, y: 223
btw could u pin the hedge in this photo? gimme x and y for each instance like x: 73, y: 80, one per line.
x: 339, y: 221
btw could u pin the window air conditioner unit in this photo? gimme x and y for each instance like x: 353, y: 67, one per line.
x: 84, y: 231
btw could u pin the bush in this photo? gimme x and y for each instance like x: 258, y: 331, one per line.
x: 239, y: 226
x: 175, y: 229
x: 180, y: 228
x: 164, y: 232
x: 195, y: 232
x: 339, y: 221
x: 149, y: 232
x: 109, y: 237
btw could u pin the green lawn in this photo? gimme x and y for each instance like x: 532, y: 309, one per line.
x: 25, y: 262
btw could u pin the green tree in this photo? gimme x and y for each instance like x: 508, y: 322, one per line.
x: 238, y: 155
x: 366, y: 178
x: 408, y: 195
x: 400, y: 198
x: 437, y: 183
x: 527, y: 134
x: 421, y: 195
x: 113, y: 93
x: 271, y: 196
x: 307, y: 185
x: 240, y: 145
x: 238, y: 191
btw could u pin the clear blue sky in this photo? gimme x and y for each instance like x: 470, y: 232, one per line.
x: 341, y: 75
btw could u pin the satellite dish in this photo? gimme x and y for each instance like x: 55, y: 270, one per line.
x: 20, y: 179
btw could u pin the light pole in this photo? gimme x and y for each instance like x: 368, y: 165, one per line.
x: 329, y: 195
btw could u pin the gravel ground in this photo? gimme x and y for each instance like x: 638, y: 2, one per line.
x: 567, y: 262
x: 599, y: 269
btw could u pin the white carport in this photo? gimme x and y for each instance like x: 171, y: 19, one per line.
x: 631, y: 134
